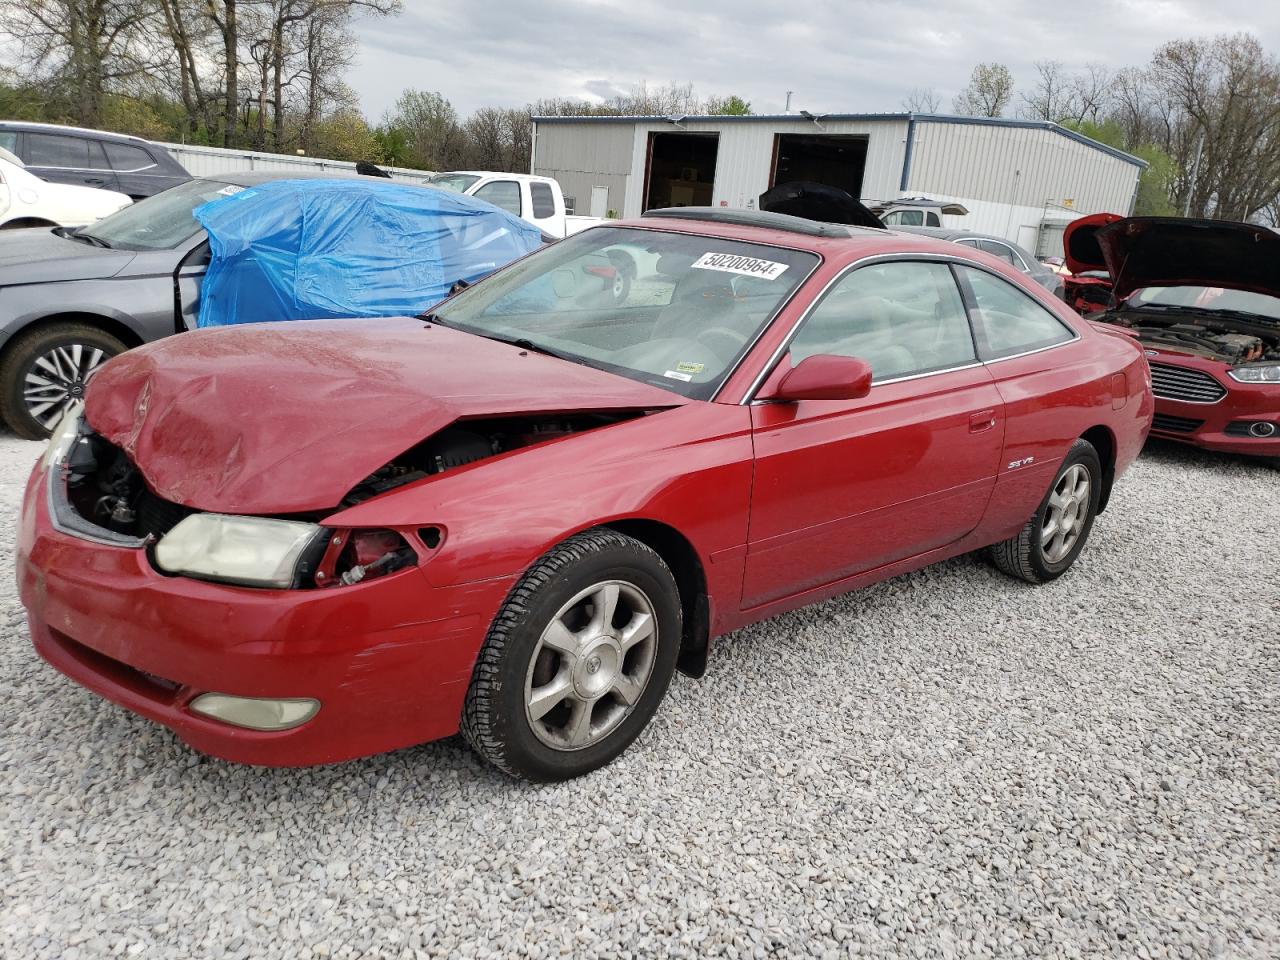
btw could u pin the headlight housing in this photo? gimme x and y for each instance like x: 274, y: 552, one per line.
x: 250, y: 551
x: 1256, y: 373
x: 64, y: 436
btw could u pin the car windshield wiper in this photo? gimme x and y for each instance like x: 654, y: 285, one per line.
x: 89, y: 238
x: 524, y: 343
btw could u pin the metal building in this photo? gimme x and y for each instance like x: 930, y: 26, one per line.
x: 1020, y: 179
x: 212, y: 161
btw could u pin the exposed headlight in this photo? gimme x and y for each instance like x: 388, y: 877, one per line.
x: 251, y: 551
x: 1257, y: 373
x: 63, y: 436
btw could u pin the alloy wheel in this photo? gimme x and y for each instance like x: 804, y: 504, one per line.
x: 591, y: 665
x: 57, y: 378
x: 1068, y: 511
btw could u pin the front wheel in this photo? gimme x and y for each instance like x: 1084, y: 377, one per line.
x: 1056, y: 533
x: 577, y: 659
x: 46, y: 370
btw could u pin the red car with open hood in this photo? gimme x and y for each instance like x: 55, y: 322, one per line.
x: 1203, y: 298
x: 518, y: 515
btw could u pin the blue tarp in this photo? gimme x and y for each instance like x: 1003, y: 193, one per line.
x: 318, y: 249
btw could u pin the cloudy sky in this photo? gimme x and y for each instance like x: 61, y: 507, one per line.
x: 837, y: 56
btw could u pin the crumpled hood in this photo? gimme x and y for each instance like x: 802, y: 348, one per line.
x: 38, y: 255
x: 1143, y: 252
x: 288, y: 417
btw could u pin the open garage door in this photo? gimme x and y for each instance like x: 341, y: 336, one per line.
x: 681, y: 171
x: 837, y: 160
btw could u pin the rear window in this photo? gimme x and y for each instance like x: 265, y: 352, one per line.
x: 127, y: 159
x: 544, y: 201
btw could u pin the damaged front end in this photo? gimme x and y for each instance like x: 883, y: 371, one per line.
x: 97, y: 493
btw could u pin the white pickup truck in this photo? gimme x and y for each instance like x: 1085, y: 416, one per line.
x: 536, y: 199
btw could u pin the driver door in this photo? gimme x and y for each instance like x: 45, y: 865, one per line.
x: 842, y: 487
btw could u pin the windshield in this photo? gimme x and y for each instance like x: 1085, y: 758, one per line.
x: 669, y: 309
x: 160, y: 222
x: 1209, y: 298
x: 456, y: 182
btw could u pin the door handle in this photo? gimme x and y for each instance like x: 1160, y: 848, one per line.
x: 982, y: 421
x: 96, y: 181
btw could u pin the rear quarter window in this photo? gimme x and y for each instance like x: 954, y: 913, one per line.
x: 1009, y: 320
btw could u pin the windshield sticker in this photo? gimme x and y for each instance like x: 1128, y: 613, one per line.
x: 677, y: 375
x: 685, y: 366
x: 743, y: 266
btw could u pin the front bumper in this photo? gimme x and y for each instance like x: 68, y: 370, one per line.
x: 1222, y: 426
x: 389, y: 660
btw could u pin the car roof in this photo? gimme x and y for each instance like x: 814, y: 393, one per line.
x: 251, y: 178
x: 834, y: 241
x: 64, y: 128
x: 946, y: 233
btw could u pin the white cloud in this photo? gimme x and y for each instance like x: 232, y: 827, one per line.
x: 837, y: 55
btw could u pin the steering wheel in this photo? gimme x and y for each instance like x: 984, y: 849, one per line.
x: 724, y: 342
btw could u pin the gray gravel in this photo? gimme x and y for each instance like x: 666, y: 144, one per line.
x: 949, y: 764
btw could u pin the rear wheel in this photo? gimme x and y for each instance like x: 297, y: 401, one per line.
x: 45, y: 370
x: 1056, y: 533
x: 577, y: 660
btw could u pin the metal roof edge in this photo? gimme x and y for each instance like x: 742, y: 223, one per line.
x: 1013, y: 122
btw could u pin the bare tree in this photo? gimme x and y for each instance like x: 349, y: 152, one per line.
x: 989, y: 91
x: 1051, y: 98
x: 82, y: 45
x: 1090, y: 93
x: 922, y: 100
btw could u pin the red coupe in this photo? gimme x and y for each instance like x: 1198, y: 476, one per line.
x: 1203, y: 298
x: 518, y: 515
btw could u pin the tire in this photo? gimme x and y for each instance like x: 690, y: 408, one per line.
x: 61, y: 355
x: 547, y: 663
x: 1036, y: 558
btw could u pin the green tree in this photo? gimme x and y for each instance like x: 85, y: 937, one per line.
x: 989, y: 91
x: 1155, y: 183
x: 730, y: 106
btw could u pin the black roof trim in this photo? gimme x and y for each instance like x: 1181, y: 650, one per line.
x: 753, y: 218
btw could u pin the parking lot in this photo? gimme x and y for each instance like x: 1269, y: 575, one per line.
x: 947, y: 764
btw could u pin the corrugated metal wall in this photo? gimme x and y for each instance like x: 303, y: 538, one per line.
x: 1018, y: 166
x: 1009, y: 175
x: 745, y: 155
x: 211, y: 161
x: 582, y: 156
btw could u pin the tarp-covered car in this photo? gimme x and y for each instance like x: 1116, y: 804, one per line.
x: 277, y: 247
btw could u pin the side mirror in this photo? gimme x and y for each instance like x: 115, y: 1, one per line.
x: 822, y: 377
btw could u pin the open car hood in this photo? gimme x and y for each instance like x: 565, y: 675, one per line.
x: 1143, y: 252
x: 817, y: 201
x: 287, y: 418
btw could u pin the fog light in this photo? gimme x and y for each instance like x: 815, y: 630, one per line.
x: 1261, y: 428
x: 256, y: 713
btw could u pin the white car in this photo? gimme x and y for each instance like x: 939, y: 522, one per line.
x: 28, y: 201
x: 536, y: 199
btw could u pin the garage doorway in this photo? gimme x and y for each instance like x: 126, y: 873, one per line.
x: 681, y: 171
x: 837, y: 160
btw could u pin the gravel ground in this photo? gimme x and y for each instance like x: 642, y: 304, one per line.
x: 949, y: 764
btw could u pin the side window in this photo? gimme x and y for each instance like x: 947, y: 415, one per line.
x: 933, y: 220
x: 544, y: 201
x: 997, y: 250
x: 902, y: 318
x: 9, y: 141
x: 1011, y: 321
x: 127, y: 159
x: 502, y: 193
x: 905, y: 218
x: 55, y: 150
